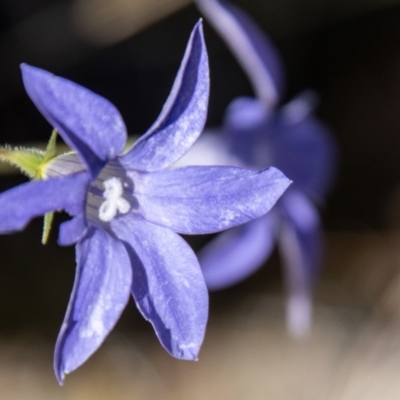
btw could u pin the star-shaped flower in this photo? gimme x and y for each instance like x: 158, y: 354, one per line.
x: 128, y: 207
x: 259, y: 133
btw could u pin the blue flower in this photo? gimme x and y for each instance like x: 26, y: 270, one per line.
x: 258, y: 132
x: 127, y: 208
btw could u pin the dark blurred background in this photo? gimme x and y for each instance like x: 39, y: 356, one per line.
x: 129, y: 52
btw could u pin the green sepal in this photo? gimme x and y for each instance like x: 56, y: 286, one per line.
x: 50, y: 153
x: 31, y: 162
x: 27, y: 160
x: 51, y: 148
x: 47, y: 221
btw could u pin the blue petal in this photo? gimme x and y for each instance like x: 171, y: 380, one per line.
x: 32, y: 199
x: 251, y: 47
x: 196, y: 200
x: 168, y: 285
x: 87, y: 122
x: 301, y: 246
x: 182, y: 117
x: 73, y: 230
x: 101, y: 291
x: 237, y: 253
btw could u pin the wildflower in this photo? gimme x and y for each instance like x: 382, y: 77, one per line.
x: 127, y: 208
x: 258, y: 132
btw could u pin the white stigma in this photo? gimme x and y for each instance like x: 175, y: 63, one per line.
x: 114, y: 202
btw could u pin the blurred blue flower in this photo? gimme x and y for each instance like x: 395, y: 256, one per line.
x: 126, y: 209
x: 258, y: 132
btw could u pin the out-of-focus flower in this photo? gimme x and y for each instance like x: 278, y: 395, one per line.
x: 258, y: 132
x: 126, y: 209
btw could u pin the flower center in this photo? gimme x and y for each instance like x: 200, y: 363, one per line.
x: 114, y: 202
x: 109, y: 195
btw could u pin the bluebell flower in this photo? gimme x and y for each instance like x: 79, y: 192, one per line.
x: 128, y: 206
x: 259, y: 132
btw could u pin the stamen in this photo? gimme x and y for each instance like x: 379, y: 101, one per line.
x: 114, y: 202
